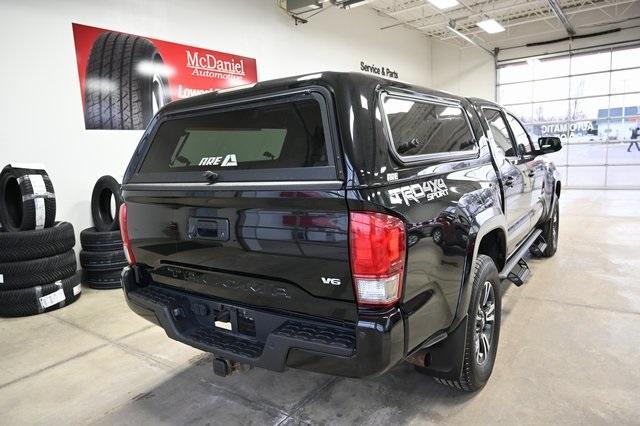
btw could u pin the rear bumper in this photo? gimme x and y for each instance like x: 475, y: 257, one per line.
x: 268, y: 340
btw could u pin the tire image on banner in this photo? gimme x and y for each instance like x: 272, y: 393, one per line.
x: 125, y: 78
x: 118, y: 93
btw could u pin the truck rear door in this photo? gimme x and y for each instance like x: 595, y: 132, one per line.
x: 248, y: 201
x: 513, y: 172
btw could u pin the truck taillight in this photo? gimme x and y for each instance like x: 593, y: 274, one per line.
x: 377, y: 244
x: 124, y: 232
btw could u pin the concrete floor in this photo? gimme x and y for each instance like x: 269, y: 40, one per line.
x: 569, y: 353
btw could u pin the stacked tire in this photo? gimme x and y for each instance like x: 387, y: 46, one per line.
x: 37, y: 262
x: 102, y: 256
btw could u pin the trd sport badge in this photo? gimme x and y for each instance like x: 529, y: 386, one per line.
x: 431, y: 190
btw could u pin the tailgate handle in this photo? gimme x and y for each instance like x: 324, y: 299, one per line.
x: 208, y: 229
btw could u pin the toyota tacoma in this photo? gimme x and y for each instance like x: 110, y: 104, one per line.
x: 336, y: 222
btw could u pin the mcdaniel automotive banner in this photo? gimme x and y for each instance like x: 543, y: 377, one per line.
x: 125, y: 78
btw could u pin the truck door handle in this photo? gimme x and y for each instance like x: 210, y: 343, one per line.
x: 531, y: 173
x: 509, y: 180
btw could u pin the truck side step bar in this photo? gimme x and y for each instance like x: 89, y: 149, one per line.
x: 516, y: 270
x: 538, y: 248
x: 519, y: 273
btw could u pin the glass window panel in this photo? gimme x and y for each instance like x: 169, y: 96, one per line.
x: 586, y: 176
x: 515, y: 93
x: 548, y: 90
x: 559, y: 129
x: 563, y: 174
x: 512, y: 73
x: 573, y: 132
x: 589, y: 108
x: 624, y: 129
x: 499, y: 131
x: 523, y: 112
x: 522, y: 139
x: 629, y: 102
x: 422, y: 128
x: 625, y: 81
x: 623, y: 176
x: 587, y: 154
x: 587, y: 131
x: 590, y: 85
x: 626, y: 58
x: 599, y: 125
x: 551, y: 111
x: 274, y: 136
x: 615, y: 112
x: 534, y: 132
x: 559, y: 158
x: 590, y: 62
x: 624, y: 152
x: 550, y: 67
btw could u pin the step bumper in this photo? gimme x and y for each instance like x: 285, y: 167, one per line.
x: 269, y: 340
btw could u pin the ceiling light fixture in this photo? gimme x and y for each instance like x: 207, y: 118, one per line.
x: 490, y: 26
x: 444, y: 4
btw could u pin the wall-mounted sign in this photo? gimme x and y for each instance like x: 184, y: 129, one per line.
x: 126, y: 78
x: 383, y: 71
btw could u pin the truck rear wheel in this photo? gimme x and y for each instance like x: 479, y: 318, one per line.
x: 483, y: 328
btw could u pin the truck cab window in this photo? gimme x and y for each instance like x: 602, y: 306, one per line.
x: 522, y: 139
x: 421, y: 128
x: 499, y: 130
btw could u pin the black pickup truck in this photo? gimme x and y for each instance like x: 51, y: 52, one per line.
x: 336, y: 222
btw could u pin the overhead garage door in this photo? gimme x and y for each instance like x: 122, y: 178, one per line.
x: 591, y: 101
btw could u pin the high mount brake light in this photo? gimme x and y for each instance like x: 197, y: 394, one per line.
x: 124, y: 232
x: 377, y: 244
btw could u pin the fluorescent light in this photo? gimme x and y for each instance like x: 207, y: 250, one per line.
x: 491, y: 26
x: 444, y: 4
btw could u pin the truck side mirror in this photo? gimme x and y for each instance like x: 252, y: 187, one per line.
x: 549, y: 144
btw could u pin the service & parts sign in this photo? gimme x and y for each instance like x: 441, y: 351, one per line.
x: 126, y: 78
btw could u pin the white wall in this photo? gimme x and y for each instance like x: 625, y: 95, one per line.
x: 41, y: 116
x: 466, y: 71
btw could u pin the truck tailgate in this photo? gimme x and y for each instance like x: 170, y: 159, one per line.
x: 245, y: 204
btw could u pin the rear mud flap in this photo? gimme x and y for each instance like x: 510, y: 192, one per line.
x: 445, y: 358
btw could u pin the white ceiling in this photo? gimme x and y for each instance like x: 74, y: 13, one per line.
x: 525, y: 21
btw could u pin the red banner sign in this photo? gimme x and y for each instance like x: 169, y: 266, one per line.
x: 125, y: 78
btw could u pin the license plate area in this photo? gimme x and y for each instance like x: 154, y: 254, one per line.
x: 234, y: 320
